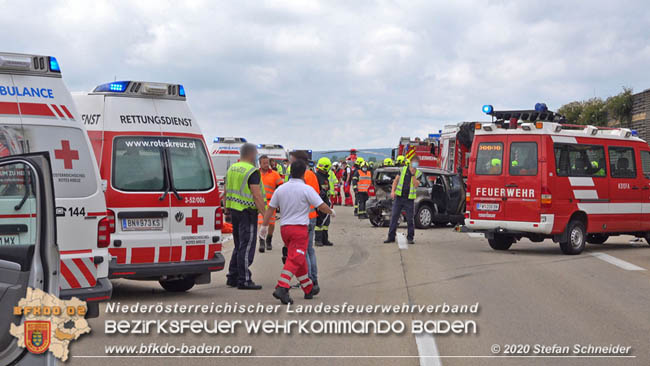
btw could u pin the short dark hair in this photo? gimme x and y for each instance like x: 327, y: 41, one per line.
x: 298, y: 168
x: 301, y: 155
x: 263, y: 157
x: 247, y: 149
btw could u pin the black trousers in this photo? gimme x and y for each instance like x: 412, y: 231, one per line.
x: 362, y: 197
x: 402, y: 204
x: 244, y: 232
x: 321, y: 231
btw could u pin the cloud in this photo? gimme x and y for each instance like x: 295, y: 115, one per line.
x: 341, y: 74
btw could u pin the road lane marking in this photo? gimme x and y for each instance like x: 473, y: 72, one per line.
x: 401, y: 241
x: 427, y: 350
x: 617, y: 262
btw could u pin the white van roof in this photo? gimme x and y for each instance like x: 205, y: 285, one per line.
x: 130, y: 88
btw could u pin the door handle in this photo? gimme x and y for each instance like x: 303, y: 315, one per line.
x: 645, y: 188
x: 511, y: 185
x: 635, y: 188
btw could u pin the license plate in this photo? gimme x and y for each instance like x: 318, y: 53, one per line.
x: 487, y: 206
x: 9, y: 240
x: 142, y: 224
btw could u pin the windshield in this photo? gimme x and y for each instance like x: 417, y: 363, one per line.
x: 138, y: 164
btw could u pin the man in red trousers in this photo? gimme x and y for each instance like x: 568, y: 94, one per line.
x: 294, y: 200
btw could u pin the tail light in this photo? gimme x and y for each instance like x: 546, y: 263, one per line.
x: 111, y: 221
x: 218, y: 218
x: 103, y: 233
x: 546, y: 197
x: 467, y: 198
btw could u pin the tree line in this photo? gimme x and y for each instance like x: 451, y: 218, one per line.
x: 616, y: 110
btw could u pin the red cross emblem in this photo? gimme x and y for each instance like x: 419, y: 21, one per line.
x: 66, y: 154
x: 194, y: 221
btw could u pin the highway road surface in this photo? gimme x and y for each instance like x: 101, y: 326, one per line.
x: 532, y: 301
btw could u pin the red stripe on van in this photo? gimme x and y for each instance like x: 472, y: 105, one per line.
x: 119, y: 253
x: 35, y: 109
x: 177, y: 252
x: 194, y: 252
x: 102, y: 213
x: 76, y: 251
x: 85, y: 271
x: 143, y: 255
x: 213, y: 248
x: 72, y: 281
x: 17, y: 216
x: 9, y: 108
x: 57, y: 110
x: 163, y: 254
x: 67, y: 112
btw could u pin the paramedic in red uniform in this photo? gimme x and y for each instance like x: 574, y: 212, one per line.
x: 294, y: 199
x: 244, y: 200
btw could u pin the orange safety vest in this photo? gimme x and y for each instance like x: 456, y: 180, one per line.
x: 364, y: 181
x: 311, y: 180
x: 271, y: 180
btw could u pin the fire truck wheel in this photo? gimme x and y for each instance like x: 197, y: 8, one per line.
x: 576, y: 238
x: 501, y: 242
x: 597, y: 238
x: 177, y: 285
x: 424, y: 217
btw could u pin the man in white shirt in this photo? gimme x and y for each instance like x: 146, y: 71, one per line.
x: 294, y: 200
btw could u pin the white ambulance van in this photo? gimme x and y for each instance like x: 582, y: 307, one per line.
x: 37, y: 113
x: 532, y: 177
x: 224, y: 153
x: 161, y: 192
x: 274, y: 151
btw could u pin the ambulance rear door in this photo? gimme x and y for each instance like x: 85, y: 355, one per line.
x: 139, y: 191
x: 488, y: 183
x: 625, y: 188
x: 50, y: 123
x: 194, y: 199
x: 523, y: 181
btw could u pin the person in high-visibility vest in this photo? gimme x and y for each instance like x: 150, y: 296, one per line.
x: 334, y: 184
x: 244, y: 200
x: 389, y: 162
x: 277, y: 166
x: 400, y: 160
x: 323, y: 220
x: 271, y: 180
x: 403, y: 194
x: 353, y: 182
x: 361, y: 183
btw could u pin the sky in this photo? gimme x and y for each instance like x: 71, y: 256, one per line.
x: 343, y: 74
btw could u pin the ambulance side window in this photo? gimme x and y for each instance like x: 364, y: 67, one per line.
x: 489, y: 158
x: 645, y: 163
x: 17, y: 206
x: 621, y: 160
x: 523, y: 158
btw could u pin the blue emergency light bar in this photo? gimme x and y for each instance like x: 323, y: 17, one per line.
x: 541, y: 107
x: 54, y: 65
x: 181, y: 90
x: 115, y: 87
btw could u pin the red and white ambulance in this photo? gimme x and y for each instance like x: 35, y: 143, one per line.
x: 37, y: 113
x: 161, y: 191
x: 533, y: 177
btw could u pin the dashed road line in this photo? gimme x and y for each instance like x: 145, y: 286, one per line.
x: 617, y: 262
x: 427, y: 350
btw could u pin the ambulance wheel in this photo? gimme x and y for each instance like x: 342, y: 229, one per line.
x: 177, y: 285
x: 501, y: 242
x: 597, y: 238
x: 576, y: 238
x: 424, y: 217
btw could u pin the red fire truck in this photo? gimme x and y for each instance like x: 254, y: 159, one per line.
x: 531, y: 176
x: 426, y: 149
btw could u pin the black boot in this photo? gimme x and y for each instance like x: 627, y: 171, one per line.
x: 315, y: 290
x: 282, y: 294
x: 326, y: 238
x: 285, y: 253
x: 261, y: 248
x: 269, y: 239
x: 318, y: 238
